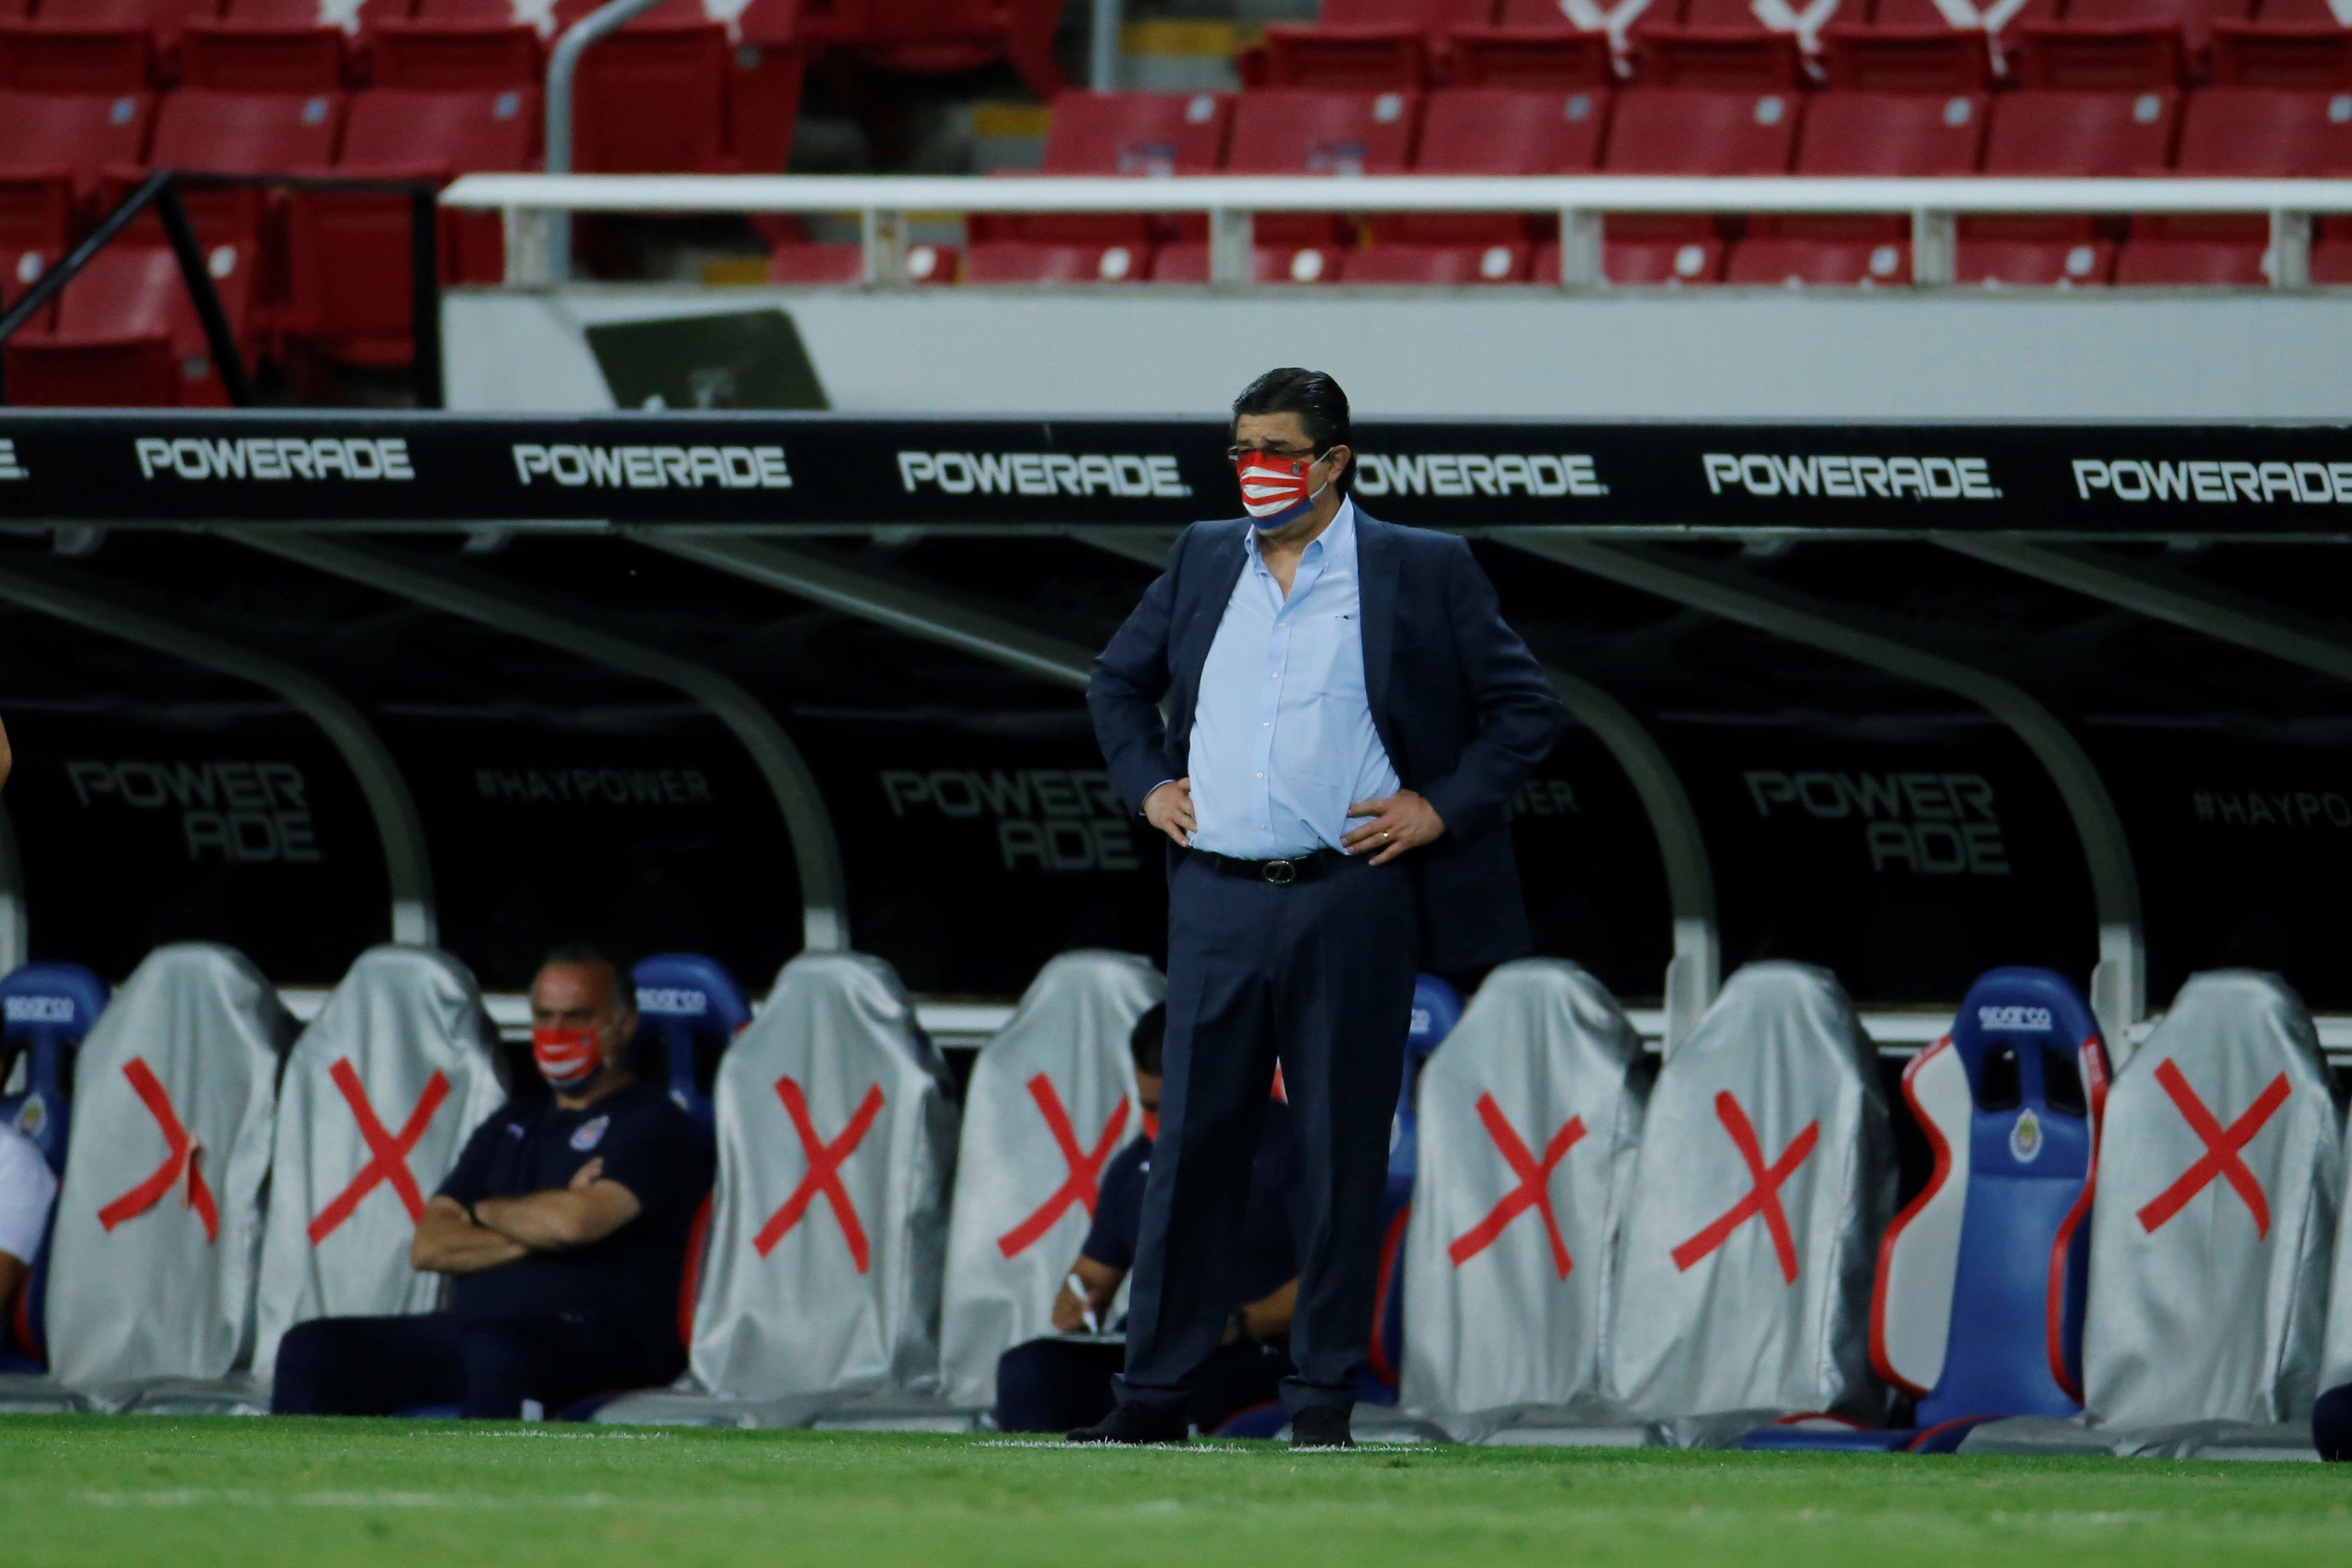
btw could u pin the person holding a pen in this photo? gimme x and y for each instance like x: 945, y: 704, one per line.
x: 1054, y: 1385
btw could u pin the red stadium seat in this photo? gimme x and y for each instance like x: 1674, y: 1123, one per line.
x: 257, y: 57
x: 2282, y: 54
x: 45, y: 57
x: 2085, y: 55
x: 455, y: 55
x: 1303, y: 130
x: 1893, y: 133
x: 127, y: 334
x: 1188, y: 262
x: 804, y: 262
x: 1136, y: 134
x: 2084, y: 134
x: 162, y: 19
x: 1498, y: 130
x: 2257, y: 131
x: 2331, y: 252
x: 349, y: 281
x: 1715, y: 43
x: 2120, y: 18
x: 1692, y: 131
x: 1907, y: 59
x: 78, y: 132
x: 765, y: 70
x: 37, y: 224
x: 2033, y: 263
x: 652, y: 100
x: 2160, y: 263
x: 935, y: 36
x: 1689, y: 131
x: 311, y: 13
x: 1818, y: 262
x: 1030, y: 261
x: 498, y: 11
x: 1531, y: 45
x: 1449, y: 265
x: 1866, y: 134
x: 1369, y: 45
x: 1669, y: 262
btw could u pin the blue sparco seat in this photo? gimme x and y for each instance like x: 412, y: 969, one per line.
x: 689, y: 1009
x: 1977, y: 1310
x: 46, y: 1011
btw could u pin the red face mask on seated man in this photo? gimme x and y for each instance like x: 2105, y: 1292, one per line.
x: 567, y: 1058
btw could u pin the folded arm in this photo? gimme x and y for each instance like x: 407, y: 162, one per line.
x: 1519, y: 716
x: 446, y: 1242
x: 580, y: 1215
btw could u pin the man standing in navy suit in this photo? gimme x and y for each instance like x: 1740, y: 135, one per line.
x: 1348, y: 718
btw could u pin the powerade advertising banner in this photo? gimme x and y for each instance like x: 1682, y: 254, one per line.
x: 819, y: 470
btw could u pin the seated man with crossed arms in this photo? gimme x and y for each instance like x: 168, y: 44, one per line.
x: 1054, y: 1385
x: 563, y: 1229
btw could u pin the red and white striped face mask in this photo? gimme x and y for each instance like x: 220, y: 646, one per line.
x: 1275, y: 489
x: 567, y: 1058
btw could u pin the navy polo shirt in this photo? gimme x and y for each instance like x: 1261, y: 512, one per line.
x: 1269, y: 1249
x: 631, y: 1276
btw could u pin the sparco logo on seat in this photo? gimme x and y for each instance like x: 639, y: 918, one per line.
x: 1851, y: 477
x: 2217, y: 484
x: 1477, y: 473
x: 2024, y: 1020
x: 654, y: 467
x: 275, y: 457
x: 1042, y: 473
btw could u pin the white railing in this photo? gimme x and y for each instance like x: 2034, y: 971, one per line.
x: 1230, y: 201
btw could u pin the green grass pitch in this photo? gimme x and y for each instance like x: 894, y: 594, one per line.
x: 347, y: 1494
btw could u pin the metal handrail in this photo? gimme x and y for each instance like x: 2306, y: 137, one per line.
x: 563, y: 66
x: 1231, y: 201
x: 160, y: 190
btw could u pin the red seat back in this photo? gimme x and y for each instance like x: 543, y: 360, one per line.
x: 2257, y: 131
x: 1820, y: 263
x: 1892, y: 133
x: 39, y: 56
x: 2082, y: 133
x: 1026, y: 261
x: 1304, y: 131
x: 246, y: 133
x: 681, y: 69
x: 81, y: 131
x: 1447, y: 265
x: 2288, y: 54
x: 1690, y: 131
x: 260, y: 57
x: 1136, y: 134
x: 395, y: 130
x: 1506, y: 130
x: 1907, y: 59
x: 455, y: 55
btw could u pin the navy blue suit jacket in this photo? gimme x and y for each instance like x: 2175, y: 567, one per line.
x: 1464, y: 710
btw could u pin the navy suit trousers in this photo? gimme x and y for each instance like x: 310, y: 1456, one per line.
x: 1318, y: 976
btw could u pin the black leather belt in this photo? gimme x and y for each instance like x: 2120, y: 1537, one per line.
x: 1296, y: 868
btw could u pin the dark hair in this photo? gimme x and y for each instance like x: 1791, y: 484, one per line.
x: 1316, y: 398
x: 587, y: 954
x: 1145, y: 1039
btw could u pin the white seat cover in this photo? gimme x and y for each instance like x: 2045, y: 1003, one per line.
x: 405, y: 1042
x: 2199, y: 1308
x: 1051, y: 1102
x: 837, y: 1143
x: 159, y: 1226
x: 1529, y: 1129
x: 1719, y: 1308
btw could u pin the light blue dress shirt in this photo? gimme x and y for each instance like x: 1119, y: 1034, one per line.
x: 1283, y: 739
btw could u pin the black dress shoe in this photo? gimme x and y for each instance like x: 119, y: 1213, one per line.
x: 1320, y: 1426
x: 1135, y: 1425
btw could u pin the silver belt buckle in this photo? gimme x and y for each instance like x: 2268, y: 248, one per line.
x: 1279, y: 871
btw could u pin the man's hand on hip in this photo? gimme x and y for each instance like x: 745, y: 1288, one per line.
x: 1170, y: 810
x: 1401, y: 821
